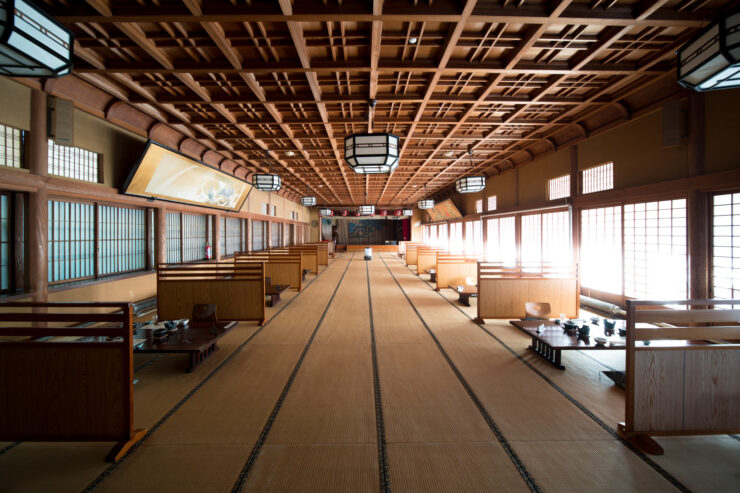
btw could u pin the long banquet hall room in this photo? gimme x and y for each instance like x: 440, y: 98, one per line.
x: 369, y: 246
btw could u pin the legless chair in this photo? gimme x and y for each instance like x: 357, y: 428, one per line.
x: 537, y: 311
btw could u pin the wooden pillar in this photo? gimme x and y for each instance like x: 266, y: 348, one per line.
x: 216, y: 240
x: 516, y: 187
x: 38, y: 201
x: 575, y: 219
x: 698, y: 202
x: 248, y: 224
x: 160, y: 236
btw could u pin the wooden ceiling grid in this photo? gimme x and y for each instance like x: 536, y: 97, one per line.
x: 506, y: 79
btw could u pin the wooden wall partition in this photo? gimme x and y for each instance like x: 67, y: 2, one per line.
x: 411, y: 250
x: 281, y: 269
x: 426, y: 259
x: 237, y: 290
x: 66, y: 373
x: 453, y: 270
x: 683, y: 378
x: 502, y: 291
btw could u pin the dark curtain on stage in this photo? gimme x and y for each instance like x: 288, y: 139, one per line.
x: 368, y: 231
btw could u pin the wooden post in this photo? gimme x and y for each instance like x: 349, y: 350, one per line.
x: 698, y: 203
x: 160, y: 236
x: 216, y: 240
x: 38, y: 201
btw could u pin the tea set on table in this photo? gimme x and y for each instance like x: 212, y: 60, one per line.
x: 582, y: 328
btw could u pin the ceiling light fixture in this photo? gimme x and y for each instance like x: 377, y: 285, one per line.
x: 371, y: 153
x: 289, y: 153
x: 366, y: 210
x: 413, y: 40
x: 308, y: 200
x: 267, y: 182
x: 326, y: 212
x: 408, y: 212
x: 425, y: 203
x: 32, y: 43
x: 470, y: 184
x: 449, y: 154
x: 711, y: 60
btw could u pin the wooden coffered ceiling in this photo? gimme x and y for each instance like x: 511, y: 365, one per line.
x: 509, y: 79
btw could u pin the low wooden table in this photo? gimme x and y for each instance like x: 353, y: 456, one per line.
x: 432, y: 275
x: 465, y: 293
x: 199, y: 341
x: 273, y: 291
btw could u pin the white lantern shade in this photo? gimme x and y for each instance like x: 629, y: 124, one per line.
x: 470, y: 184
x: 267, y: 183
x: 326, y: 212
x: 32, y: 43
x: 308, y: 201
x: 408, y: 212
x: 366, y: 210
x: 371, y: 153
x: 425, y: 204
x: 712, y: 59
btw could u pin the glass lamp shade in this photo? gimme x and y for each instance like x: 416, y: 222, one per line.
x: 470, y: 184
x: 425, y: 204
x: 32, y: 43
x: 711, y: 60
x: 366, y: 210
x: 369, y: 154
x: 326, y: 212
x: 308, y: 201
x: 267, y: 183
x: 408, y: 212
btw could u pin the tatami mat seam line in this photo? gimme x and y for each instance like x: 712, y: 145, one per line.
x: 10, y: 447
x: 110, y: 469
x: 385, y: 481
x: 656, y: 467
x: 254, y: 454
x: 531, y: 483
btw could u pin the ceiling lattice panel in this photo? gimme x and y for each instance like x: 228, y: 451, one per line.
x: 506, y: 79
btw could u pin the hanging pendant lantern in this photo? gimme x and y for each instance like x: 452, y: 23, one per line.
x: 366, y: 210
x: 711, y: 60
x: 372, y: 153
x: 470, y: 184
x: 32, y: 43
x: 267, y: 182
x: 425, y: 203
x: 407, y: 212
x: 344, y: 213
x: 326, y: 212
x: 308, y: 200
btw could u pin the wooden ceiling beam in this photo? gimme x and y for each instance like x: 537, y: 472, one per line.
x: 296, y: 33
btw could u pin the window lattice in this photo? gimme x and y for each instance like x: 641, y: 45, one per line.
x: 479, y: 206
x: 231, y: 235
x: 598, y: 178
x: 73, y: 162
x: 121, y: 240
x: 726, y: 246
x: 558, y: 188
x: 443, y: 239
x: 501, y: 240
x: 655, y: 250
x: 174, y: 238
x: 258, y: 235
x: 456, y: 237
x: 491, y: 203
x: 601, y: 249
x: 194, y: 237
x: 71, y: 241
x: 5, y: 261
x: 275, y: 235
x: 11, y: 146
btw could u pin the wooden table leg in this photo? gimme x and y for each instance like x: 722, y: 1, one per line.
x: 198, y: 357
x: 271, y: 301
x: 465, y: 299
x: 546, y: 352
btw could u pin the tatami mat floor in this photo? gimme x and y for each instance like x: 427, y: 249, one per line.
x: 369, y: 380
